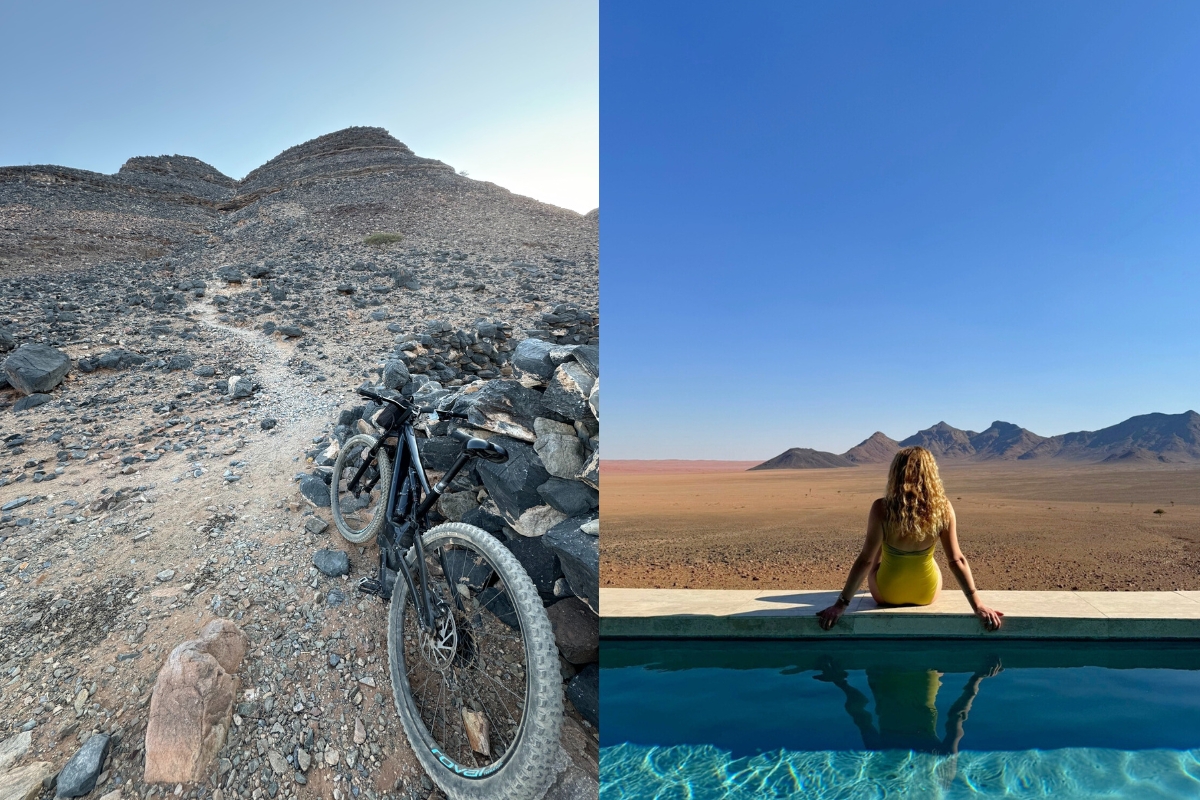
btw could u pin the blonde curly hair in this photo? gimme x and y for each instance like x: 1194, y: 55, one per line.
x: 915, y: 503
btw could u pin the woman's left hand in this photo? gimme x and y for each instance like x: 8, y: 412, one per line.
x: 990, y: 618
x: 829, y: 616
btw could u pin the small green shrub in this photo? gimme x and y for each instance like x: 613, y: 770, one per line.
x: 380, y: 239
x: 1159, y: 511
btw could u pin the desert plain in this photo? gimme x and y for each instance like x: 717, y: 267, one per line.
x: 1024, y: 526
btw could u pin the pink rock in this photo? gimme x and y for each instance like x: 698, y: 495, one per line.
x: 192, y: 705
x: 225, y: 642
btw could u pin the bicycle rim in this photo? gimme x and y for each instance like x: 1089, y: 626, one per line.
x: 468, y: 681
x: 358, y: 509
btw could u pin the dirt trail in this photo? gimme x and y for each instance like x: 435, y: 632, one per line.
x: 184, y: 512
x: 284, y: 396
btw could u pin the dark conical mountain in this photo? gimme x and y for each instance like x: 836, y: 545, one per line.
x: 1148, y: 438
x: 805, y: 458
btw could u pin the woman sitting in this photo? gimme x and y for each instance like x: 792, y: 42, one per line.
x: 897, y: 557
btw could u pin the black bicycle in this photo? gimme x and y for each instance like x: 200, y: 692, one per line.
x: 474, y: 667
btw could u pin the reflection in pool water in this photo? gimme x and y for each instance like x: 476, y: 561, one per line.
x: 926, y: 719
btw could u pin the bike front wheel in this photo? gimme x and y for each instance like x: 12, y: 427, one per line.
x: 358, y: 515
x: 479, y: 697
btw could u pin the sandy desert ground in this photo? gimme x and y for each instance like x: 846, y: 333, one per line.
x: 1022, y: 526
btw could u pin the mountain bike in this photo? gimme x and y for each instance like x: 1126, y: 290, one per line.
x: 474, y: 667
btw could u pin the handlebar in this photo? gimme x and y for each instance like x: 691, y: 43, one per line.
x: 367, y: 393
x: 378, y: 398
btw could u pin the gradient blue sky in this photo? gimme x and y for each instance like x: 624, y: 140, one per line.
x: 507, y: 91
x: 826, y: 219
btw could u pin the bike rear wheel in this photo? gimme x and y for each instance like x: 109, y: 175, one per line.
x: 359, y: 515
x: 481, y: 698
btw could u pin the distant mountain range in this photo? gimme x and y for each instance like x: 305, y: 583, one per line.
x: 1159, y: 438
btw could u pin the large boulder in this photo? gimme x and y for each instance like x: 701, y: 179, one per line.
x: 535, y: 521
x: 579, y: 555
x: 395, y: 374
x: 482, y: 517
x: 315, y: 490
x: 533, y: 356
x: 568, y: 391
x: 504, y: 407
x: 25, y: 783
x: 577, y: 781
x: 590, y: 472
x: 589, y: 356
x: 36, y: 368
x: 78, y: 776
x: 513, y: 484
x: 576, y: 630
x: 438, y: 453
x: 540, y: 562
x: 569, y: 496
x: 456, y: 505
x: 559, y: 448
x: 13, y: 748
x: 584, y: 693
x: 192, y: 704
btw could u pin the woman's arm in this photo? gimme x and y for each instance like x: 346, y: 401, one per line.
x: 956, y: 717
x: 962, y: 573
x: 829, y: 616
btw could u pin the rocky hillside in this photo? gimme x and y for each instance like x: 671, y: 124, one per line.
x: 176, y: 345
x: 1149, y: 438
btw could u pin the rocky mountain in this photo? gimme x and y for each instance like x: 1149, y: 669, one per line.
x: 1158, y: 438
x: 179, y: 351
x: 877, y: 449
x: 321, y: 197
x: 944, y: 441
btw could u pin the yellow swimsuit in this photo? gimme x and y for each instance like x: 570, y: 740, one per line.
x: 906, y: 577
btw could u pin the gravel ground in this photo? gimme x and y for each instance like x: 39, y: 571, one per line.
x: 143, y: 501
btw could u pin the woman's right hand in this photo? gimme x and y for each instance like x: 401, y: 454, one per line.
x: 829, y: 616
x: 989, y: 618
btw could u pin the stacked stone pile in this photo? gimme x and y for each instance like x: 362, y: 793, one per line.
x: 567, y: 324
x: 543, y: 502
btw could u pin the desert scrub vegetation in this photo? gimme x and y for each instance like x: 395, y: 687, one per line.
x: 382, y: 238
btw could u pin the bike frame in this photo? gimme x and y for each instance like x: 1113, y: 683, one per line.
x: 407, y: 513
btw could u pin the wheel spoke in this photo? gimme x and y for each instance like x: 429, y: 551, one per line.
x: 462, y: 652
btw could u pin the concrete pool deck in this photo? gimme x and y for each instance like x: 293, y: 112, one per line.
x: 788, y: 614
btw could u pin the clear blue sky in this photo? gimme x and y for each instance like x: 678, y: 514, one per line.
x: 826, y: 219
x: 507, y: 91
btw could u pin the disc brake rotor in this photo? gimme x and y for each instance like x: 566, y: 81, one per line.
x: 439, y: 646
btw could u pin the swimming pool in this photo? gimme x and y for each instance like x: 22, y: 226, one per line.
x: 919, y: 719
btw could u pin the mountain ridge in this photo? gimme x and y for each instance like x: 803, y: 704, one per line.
x: 1153, y: 438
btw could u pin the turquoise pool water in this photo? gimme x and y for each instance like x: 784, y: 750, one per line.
x: 883, y: 720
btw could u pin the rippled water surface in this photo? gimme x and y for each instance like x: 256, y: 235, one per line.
x: 877, y: 720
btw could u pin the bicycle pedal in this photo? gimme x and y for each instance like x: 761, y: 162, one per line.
x: 370, y: 586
